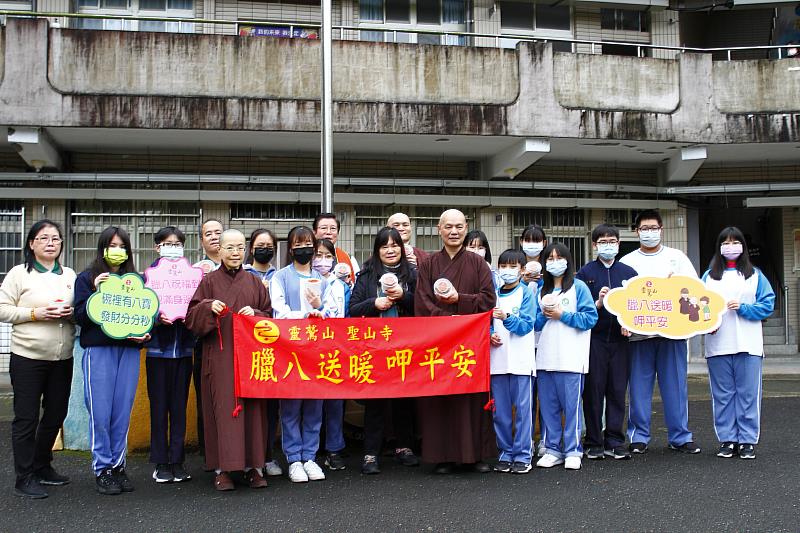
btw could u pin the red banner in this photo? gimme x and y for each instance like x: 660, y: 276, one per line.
x: 353, y: 358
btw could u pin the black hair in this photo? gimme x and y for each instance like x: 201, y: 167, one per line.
x: 166, y: 232
x: 512, y: 256
x: 480, y: 236
x: 323, y: 216
x: 253, y: 236
x: 569, y: 274
x: 206, y: 221
x: 99, y: 265
x: 300, y: 233
x: 604, y: 230
x: 533, y: 233
x: 647, y: 214
x: 381, y: 239
x: 27, y: 251
x: 743, y: 264
x: 328, y: 244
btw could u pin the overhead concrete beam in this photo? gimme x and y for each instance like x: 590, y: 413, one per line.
x: 516, y: 158
x: 682, y: 166
x: 36, y: 147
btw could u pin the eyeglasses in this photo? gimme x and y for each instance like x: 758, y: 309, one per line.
x: 231, y: 249
x: 610, y: 241
x: 48, y: 238
x: 649, y: 228
x: 171, y: 245
x: 327, y: 228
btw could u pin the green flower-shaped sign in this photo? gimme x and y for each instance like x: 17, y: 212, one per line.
x: 123, y: 306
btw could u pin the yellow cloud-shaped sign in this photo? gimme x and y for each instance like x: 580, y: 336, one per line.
x: 123, y: 306
x: 678, y: 307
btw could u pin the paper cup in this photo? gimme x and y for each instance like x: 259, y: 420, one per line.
x: 341, y: 271
x: 388, y: 281
x: 442, y: 287
x: 550, y: 301
x: 533, y: 268
x: 409, y: 250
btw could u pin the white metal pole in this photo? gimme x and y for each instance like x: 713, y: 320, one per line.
x: 326, y: 162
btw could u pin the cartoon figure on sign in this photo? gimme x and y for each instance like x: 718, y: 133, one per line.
x: 694, y: 309
x: 704, y: 301
x: 684, y: 301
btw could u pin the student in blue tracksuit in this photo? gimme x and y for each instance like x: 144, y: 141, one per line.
x: 735, y: 351
x: 292, y: 297
x: 261, y: 251
x: 110, y: 367
x: 513, y: 365
x: 169, y: 372
x: 338, y: 293
x: 565, y: 315
x: 657, y: 357
x: 607, y: 380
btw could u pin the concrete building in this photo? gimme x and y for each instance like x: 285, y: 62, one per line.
x: 186, y: 119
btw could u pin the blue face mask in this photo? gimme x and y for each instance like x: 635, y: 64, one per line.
x: 557, y: 267
x: 607, y: 252
x: 508, y: 275
x: 650, y: 238
x: 532, y: 249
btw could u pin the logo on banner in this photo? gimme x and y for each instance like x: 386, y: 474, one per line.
x: 266, y: 331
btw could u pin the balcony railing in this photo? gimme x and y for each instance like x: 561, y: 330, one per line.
x: 642, y: 49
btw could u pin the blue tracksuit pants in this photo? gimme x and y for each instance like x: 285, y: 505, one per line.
x: 736, y: 396
x: 560, y: 393
x: 301, y: 421
x: 110, y: 376
x: 513, y: 432
x: 667, y: 360
x: 334, y: 425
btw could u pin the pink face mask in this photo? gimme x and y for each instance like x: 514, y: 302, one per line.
x: 731, y: 251
x: 323, y: 266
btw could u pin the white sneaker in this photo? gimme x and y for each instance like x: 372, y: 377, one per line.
x: 297, y: 473
x: 573, y: 462
x: 313, y: 470
x: 549, y: 461
x: 272, y: 468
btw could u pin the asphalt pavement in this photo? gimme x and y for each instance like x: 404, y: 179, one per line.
x: 660, y: 491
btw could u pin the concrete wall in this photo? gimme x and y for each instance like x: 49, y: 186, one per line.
x: 450, y: 75
x: 757, y: 86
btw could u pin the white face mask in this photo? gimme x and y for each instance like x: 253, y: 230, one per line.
x: 508, y: 275
x: 650, y: 238
x: 557, y: 267
x: 532, y: 249
x: 607, y: 251
x: 480, y: 251
x: 170, y: 252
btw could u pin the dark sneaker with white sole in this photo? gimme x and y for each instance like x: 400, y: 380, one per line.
x: 163, y: 474
x: 520, y: 468
x: 726, y: 450
x: 747, y: 451
x: 594, y: 452
x: 687, y: 447
x: 618, y: 452
x: 638, y: 447
x: 503, y: 467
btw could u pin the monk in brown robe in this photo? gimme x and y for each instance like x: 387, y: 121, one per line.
x: 455, y: 428
x: 232, y: 443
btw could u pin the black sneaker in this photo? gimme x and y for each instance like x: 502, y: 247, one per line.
x: 122, y: 478
x: 334, y: 461
x: 520, y: 468
x: 686, y: 447
x: 638, y: 447
x: 48, y: 476
x: 406, y: 457
x: 369, y: 465
x: 618, y: 452
x: 28, y: 487
x: 163, y: 474
x: 594, y: 452
x: 179, y: 473
x: 726, y: 450
x: 747, y: 451
x: 107, y: 483
x: 502, y: 467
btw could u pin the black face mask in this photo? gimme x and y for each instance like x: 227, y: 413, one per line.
x: 263, y: 255
x: 303, y: 255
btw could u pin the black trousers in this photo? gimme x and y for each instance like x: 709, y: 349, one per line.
x: 197, y: 374
x: 168, y: 390
x: 607, y: 381
x: 402, y: 413
x: 37, y: 383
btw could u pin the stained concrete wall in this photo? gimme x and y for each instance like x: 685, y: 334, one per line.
x: 449, y: 85
x: 758, y: 86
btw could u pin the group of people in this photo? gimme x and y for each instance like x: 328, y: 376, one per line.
x: 552, y: 343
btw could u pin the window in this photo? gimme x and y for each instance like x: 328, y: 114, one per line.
x: 567, y: 226
x: 624, y: 20
x: 12, y: 233
x: 529, y: 16
x: 409, y: 15
x: 154, y: 8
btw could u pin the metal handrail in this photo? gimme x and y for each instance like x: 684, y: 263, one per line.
x: 419, y: 31
x: 786, y: 312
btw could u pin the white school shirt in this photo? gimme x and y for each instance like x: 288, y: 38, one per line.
x: 736, y: 334
x: 563, y: 348
x: 517, y: 353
